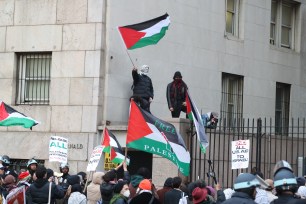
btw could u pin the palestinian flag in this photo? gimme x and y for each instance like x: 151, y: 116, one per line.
x: 150, y: 134
x: 112, y: 146
x: 145, y: 33
x: 194, y: 115
x: 11, y: 117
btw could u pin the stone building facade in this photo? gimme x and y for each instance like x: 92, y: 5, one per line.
x: 210, y: 42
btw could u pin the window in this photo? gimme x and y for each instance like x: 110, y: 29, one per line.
x: 232, y: 17
x: 232, y: 99
x: 33, y: 79
x: 282, y: 103
x: 283, y: 23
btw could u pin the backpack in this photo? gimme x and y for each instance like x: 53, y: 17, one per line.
x: 183, y: 199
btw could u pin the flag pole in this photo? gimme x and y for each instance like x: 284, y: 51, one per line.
x: 126, y: 50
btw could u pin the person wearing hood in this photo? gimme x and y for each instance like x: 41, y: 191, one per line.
x: 93, y: 189
x: 142, y: 173
x: 76, y: 196
x: 176, y: 95
x: 143, y: 91
x: 121, y: 193
x: 144, y: 194
x: 167, y: 187
x: 38, y: 192
x: 109, y: 182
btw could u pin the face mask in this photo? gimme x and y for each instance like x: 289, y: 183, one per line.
x: 126, y: 193
x: 144, y: 70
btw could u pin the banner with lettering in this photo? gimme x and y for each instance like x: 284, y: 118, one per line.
x: 94, y: 158
x: 153, y: 135
x: 58, y: 149
x: 240, y: 154
x: 16, y: 196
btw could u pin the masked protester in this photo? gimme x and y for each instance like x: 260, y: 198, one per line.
x: 176, y: 95
x: 142, y: 87
x: 121, y: 193
x: 245, y: 189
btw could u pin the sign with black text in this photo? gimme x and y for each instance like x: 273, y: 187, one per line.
x: 94, y: 158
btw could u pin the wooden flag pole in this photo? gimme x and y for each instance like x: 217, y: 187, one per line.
x: 90, y: 176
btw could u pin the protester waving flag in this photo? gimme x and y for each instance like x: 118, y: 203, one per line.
x: 112, y: 146
x: 11, y: 117
x: 145, y: 33
x: 194, y: 115
x: 150, y: 134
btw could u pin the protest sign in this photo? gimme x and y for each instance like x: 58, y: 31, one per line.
x: 16, y: 196
x: 94, y: 158
x: 240, y: 154
x: 58, y: 149
x: 108, y: 164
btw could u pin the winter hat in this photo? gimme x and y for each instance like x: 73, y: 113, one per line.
x: 211, y: 190
x: 145, y: 184
x: 74, y: 179
x: 118, y: 187
x: 199, y: 195
x: 23, y: 176
x: 168, y: 182
x: 9, y: 179
x: 177, y: 74
x: 300, y: 181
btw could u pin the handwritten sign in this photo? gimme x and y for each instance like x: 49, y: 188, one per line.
x: 94, y: 158
x: 240, y: 154
x: 58, y: 149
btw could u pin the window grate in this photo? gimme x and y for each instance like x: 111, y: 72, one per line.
x: 33, y: 81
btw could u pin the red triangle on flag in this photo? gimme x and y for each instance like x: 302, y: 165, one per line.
x: 130, y: 36
x: 137, y: 125
x: 106, y: 139
x: 3, y: 113
x: 113, y: 154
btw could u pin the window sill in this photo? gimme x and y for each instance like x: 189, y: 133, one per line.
x: 230, y: 36
x: 282, y: 49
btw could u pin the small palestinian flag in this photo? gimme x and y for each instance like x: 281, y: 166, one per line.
x: 145, y: 33
x: 194, y: 115
x: 150, y: 134
x: 112, y: 146
x: 11, y: 117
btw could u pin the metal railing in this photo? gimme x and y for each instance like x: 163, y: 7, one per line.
x: 266, y: 148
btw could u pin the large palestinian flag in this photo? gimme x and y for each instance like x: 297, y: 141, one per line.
x: 11, y: 117
x: 145, y: 33
x: 150, y: 134
x: 112, y: 146
x: 194, y: 115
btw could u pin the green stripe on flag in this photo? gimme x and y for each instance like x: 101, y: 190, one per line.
x: 161, y: 149
x: 150, y: 40
x: 13, y: 121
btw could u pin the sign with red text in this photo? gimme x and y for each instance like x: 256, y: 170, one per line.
x: 94, y: 158
x: 240, y: 154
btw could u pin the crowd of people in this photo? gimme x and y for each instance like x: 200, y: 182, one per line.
x: 43, y: 186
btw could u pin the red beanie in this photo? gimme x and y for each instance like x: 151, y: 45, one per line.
x: 145, y: 184
x: 23, y: 175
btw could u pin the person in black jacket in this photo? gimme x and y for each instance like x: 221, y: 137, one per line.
x: 176, y: 95
x: 144, y: 194
x: 142, y: 87
x: 110, y: 181
x: 38, y: 192
x: 175, y: 194
x: 245, y: 189
x: 285, y: 184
